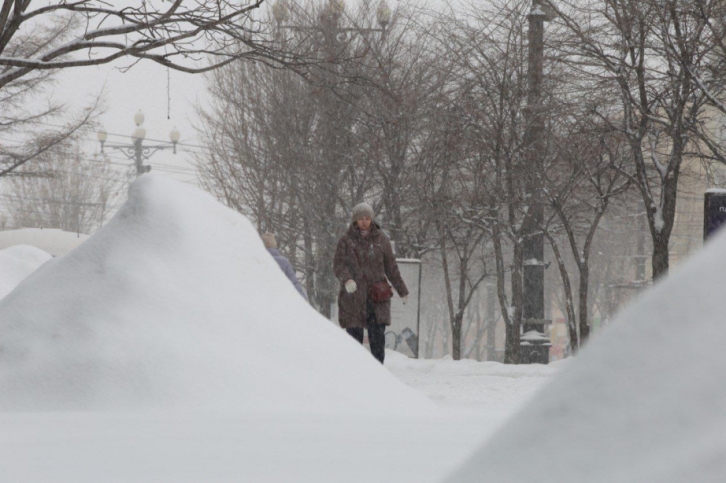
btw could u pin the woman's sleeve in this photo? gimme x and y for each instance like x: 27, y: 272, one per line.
x: 392, y: 272
x: 340, y: 265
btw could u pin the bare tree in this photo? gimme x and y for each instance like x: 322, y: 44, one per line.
x: 37, y: 39
x: 393, y: 117
x: 709, y: 75
x: 297, y: 152
x: 175, y: 34
x: 645, y: 52
x: 451, y: 180
x: 489, y: 46
x: 577, y: 178
x: 579, y: 190
x: 75, y: 192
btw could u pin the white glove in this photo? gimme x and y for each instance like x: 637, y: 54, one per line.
x: 351, y: 286
x: 405, y: 299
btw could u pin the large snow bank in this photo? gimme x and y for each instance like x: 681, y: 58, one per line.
x: 51, y: 240
x: 646, y: 401
x: 18, y: 262
x: 176, y: 304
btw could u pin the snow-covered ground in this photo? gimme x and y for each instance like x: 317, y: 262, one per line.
x: 169, y: 347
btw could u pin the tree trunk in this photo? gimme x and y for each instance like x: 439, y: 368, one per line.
x: 309, y: 261
x: 456, y: 336
x: 660, y: 256
x: 513, y: 342
x: 583, y: 309
x: 393, y: 199
x: 325, y: 278
x: 476, y: 348
x: 491, y: 323
x: 461, y: 307
x: 327, y: 242
x: 455, y: 346
x: 569, y: 300
x: 661, y: 234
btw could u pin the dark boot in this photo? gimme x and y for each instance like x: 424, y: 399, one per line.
x: 356, y: 333
x: 377, y: 341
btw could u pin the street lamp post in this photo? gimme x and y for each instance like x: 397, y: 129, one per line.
x: 534, y: 344
x: 137, y: 151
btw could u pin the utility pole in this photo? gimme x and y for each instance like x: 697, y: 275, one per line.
x: 535, y: 345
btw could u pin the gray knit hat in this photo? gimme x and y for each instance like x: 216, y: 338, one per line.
x: 360, y: 210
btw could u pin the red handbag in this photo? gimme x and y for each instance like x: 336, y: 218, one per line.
x: 380, y: 292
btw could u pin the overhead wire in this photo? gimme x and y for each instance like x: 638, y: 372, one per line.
x: 127, y: 136
x: 119, y: 161
x: 43, y: 123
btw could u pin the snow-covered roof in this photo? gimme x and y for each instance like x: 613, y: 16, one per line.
x: 50, y: 240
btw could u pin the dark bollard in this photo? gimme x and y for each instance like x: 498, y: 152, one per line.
x: 714, y: 211
x: 535, y: 348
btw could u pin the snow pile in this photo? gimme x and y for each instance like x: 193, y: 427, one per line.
x: 175, y: 304
x: 18, y: 262
x: 51, y: 240
x: 646, y: 401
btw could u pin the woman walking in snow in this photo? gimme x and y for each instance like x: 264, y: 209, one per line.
x: 363, y: 261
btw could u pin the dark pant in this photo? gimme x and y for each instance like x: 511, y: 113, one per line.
x: 376, y: 334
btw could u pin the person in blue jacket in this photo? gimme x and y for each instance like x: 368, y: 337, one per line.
x: 271, y: 245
